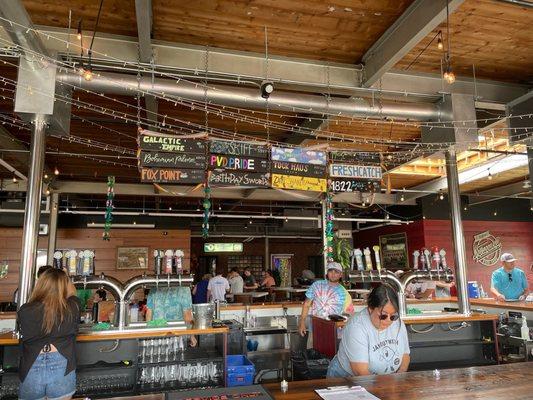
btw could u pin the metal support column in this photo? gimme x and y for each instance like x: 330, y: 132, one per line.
x: 267, y: 253
x: 324, y: 238
x: 452, y: 177
x: 52, y: 231
x: 32, y: 209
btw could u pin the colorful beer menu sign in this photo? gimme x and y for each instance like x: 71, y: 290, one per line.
x: 171, y: 159
x: 299, y: 169
x: 242, y: 164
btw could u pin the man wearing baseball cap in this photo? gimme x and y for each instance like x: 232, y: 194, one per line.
x: 509, y: 282
x: 325, y: 297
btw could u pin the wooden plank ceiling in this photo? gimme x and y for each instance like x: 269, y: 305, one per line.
x: 493, y: 36
x: 336, y: 30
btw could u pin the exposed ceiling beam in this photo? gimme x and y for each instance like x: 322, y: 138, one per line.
x: 297, y: 73
x: 143, y: 12
x: 133, y: 189
x: 312, y: 124
x: 515, y: 189
x: 478, y: 171
x: 10, y: 168
x: 9, y: 142
x: 419, y: 20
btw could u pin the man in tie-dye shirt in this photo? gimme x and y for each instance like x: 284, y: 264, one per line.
x: 325, y: 297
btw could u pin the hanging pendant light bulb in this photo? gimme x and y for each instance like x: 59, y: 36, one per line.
x: 56, y: 171
x: 15, y: 180
x: 489, y: 176
x: 440, y: 45
x: 88, y: 75
x: 78, y: 35
x: 449, y: 76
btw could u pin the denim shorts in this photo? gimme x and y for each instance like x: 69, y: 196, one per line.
x: 47, y: 379
x: 335, y: 370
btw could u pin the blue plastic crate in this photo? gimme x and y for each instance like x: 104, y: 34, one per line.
x: 240, y: 379
x: 240, y: 371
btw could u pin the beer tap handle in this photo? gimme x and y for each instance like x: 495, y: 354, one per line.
x: 416, y: 257
x: 377, y: 257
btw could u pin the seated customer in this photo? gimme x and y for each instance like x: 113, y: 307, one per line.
x: 268, y: 281
x: 48, y: 326
x: 374, y: 340
x: 170, y: 304
x: 249, y: 279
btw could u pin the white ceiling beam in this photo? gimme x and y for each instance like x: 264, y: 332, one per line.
x: 418, y: 21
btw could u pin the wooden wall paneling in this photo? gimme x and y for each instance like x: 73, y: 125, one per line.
x: 105, y: 251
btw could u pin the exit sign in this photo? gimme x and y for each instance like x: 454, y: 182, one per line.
x: 223, y: 247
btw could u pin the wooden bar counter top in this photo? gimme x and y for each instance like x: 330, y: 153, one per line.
x: 8, y: 339
x: 505, y: 382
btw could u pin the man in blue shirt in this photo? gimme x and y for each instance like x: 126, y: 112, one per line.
x: 509, y: 282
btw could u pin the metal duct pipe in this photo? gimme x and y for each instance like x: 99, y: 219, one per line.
x: 123, y: 84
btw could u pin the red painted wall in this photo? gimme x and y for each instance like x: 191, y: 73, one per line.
x: 516, y: 238
x: 414, y: 231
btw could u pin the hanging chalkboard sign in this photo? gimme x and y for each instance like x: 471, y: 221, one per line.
x: 298, y: 183
x: 234, y: 178
x: 178, y: 176
x: 171, y: 160
x: 237, y: 163
x: 299, y: 169
x: 365, y: 172
x: 239, y: 149
x: 340, y: 185
x: 299, y: 155
x: 171, y: 144
x: 354, y: 157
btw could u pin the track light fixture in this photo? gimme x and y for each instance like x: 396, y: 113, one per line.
x: 266, y: 89
x: 78, y: 35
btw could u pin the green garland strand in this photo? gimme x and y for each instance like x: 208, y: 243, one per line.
x: 329, y: 227
x: 109, y: 207
x: 207, y: 211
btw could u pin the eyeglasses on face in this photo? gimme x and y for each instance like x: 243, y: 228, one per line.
x: 392, y: 317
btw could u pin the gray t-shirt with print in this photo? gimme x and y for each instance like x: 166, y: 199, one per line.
x: 362, y: 342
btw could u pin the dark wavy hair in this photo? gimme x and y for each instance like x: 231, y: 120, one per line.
x: 381, y: 295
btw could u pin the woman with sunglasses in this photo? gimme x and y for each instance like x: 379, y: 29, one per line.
x: 374, y: 341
